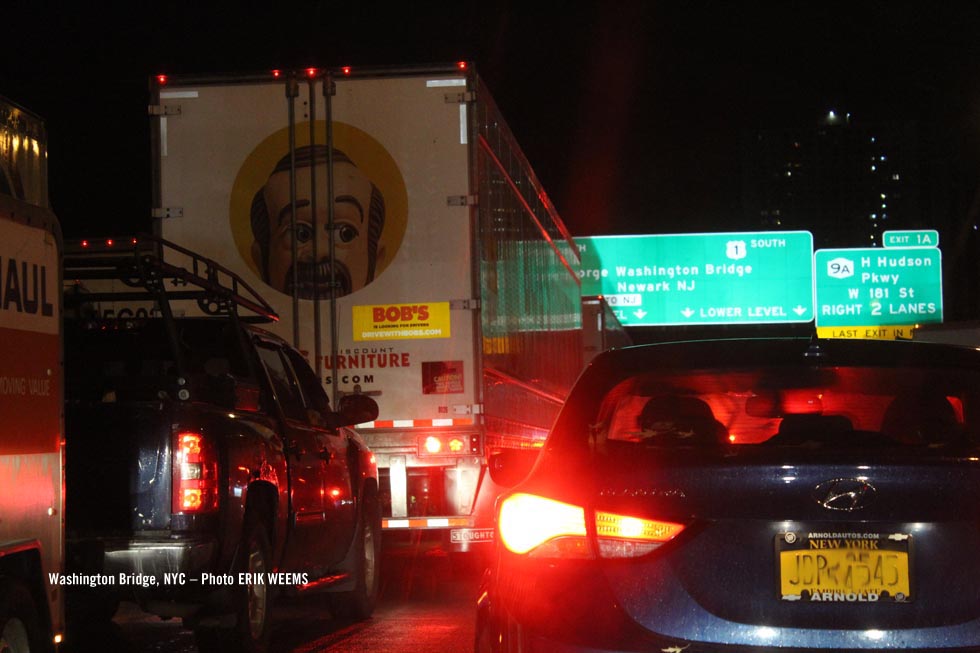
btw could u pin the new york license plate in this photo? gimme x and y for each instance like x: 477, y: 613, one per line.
x: 844, y: 566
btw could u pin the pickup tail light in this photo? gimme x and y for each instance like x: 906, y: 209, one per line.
x: 195, y: 474
x: 544, y: 528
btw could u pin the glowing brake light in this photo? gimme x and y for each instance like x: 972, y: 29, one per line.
x: 544, y: 527
x: 195, y: 473
x: 621, y: 536
x: 441, y: 445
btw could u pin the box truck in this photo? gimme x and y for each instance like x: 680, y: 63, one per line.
x: 439, y: 279
x: 31, y: 432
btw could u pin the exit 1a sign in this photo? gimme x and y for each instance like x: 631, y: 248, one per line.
x: 872, y: 292
x: 692, y: 279
x: 916, y: 238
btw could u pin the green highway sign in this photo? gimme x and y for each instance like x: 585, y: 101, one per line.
x: 918, y: 238
x: 691, y: 279
x: 869, y: 287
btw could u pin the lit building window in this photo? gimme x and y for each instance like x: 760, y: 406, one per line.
x: 896, y: 177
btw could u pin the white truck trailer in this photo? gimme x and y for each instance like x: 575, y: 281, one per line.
x: 32, y: 429
x: 440, y: 280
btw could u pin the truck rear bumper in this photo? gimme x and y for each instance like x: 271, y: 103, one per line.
x: 157, y: 558
x: 168, y: 578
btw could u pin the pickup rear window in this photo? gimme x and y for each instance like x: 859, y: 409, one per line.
x: 139, y: 362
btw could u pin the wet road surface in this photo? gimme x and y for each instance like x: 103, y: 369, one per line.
x: 427, y: 604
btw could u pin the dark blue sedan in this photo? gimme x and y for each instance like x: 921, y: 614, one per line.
x: 747, y: 495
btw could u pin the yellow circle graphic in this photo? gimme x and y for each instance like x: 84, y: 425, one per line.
x: 358, y: 155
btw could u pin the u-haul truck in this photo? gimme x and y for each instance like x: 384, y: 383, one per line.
x: 31, y: 425
x: 440, y: 280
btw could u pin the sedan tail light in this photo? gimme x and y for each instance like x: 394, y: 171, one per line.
x: 545, y: 528
x: 621, y: 536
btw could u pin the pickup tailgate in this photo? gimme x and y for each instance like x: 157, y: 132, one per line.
x: 118, y: 467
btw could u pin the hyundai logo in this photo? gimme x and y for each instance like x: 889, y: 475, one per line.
x: 845, y: 494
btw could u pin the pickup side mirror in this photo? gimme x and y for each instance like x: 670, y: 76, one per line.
x: 511, y: 466
x: 356, y: 409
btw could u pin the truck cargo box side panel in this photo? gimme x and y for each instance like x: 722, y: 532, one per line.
x: 32, y: 437
x: 531, y: 317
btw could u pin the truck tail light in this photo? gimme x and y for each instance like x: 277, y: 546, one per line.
x: 448, y: 445
x: 545, y: 528
x: 195, y: 474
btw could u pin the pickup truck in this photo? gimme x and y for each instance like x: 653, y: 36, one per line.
x: 206, y: 472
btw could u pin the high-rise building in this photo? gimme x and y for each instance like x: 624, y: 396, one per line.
x: 844, y: 181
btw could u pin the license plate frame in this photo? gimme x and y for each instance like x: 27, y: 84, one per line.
x: 844, y: 566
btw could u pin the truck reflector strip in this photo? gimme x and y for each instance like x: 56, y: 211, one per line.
x: 414, y: 423
x: 428, y: 522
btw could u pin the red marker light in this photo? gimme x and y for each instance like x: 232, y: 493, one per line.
x: 277, y: 74
x: 162, y: 80
x: 109, y: 242
x: 84, y: 243
x: 311, y: 72
x: 346, y: 71
x: 461, y: 65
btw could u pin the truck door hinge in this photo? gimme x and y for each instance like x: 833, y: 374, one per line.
x: 164, y: 110
x: 168, y: 212
x: 467, y: 409
x: 464, y: 304
x: 460, y: 97
x: 462, y: 200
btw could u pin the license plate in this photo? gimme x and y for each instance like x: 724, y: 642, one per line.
x: 844, y: 567
x: 459, y: 535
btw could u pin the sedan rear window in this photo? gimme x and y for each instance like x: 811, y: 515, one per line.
x: 800, y: 407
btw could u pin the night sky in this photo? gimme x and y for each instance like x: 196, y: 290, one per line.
x: 630, y: 112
